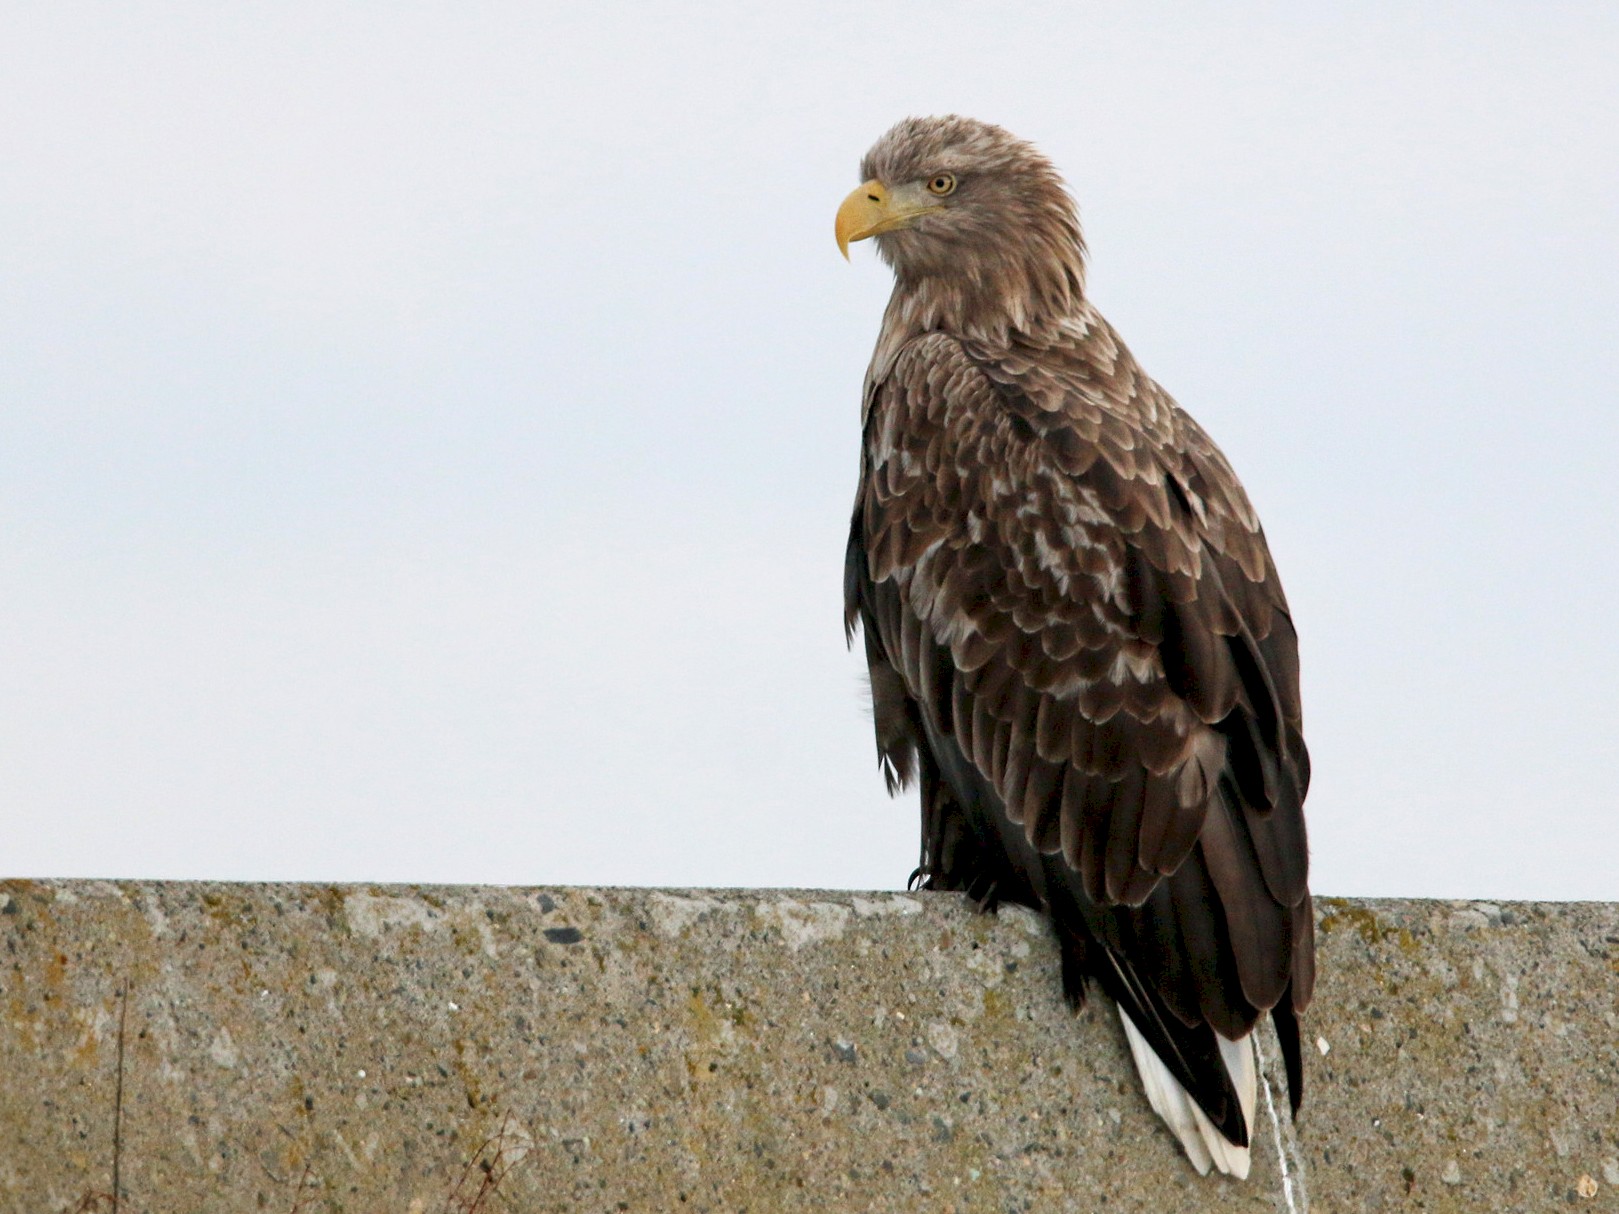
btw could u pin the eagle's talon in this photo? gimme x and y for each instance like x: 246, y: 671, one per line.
x: 989, y: 902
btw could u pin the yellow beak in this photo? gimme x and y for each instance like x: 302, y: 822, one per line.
x: 871, y: 210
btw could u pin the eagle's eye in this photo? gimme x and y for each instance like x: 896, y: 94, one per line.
x: 943, y: 184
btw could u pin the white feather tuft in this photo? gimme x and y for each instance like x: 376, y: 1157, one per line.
x: 1205, y: 1146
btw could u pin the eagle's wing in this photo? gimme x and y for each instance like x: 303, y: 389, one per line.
x: 1083, y: 606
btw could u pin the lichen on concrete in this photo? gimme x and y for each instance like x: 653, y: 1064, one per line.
x: 437, y: 1050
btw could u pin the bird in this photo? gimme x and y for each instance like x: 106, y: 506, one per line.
x: 1078, y: 646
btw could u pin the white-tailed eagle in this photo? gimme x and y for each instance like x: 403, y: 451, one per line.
x: 1078, y: 644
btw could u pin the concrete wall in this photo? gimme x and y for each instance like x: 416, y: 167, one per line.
x: 444, y: 1050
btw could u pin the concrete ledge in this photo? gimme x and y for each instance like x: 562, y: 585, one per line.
x: 430, y: 1050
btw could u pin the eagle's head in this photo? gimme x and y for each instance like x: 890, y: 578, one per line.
x: 972, y: 219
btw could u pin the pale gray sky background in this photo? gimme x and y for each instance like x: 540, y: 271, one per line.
x: 427, y: 432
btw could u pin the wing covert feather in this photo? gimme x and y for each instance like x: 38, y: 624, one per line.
x: 1087, y: 608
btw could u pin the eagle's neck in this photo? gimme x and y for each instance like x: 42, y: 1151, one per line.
x: 1030, y: 303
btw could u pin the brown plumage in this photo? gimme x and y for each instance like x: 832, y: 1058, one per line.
x: 1078, y: 643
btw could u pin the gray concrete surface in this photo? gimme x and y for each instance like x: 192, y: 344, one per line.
x: 434, y: 1050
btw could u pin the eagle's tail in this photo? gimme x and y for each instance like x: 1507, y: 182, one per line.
x: 1205, y: 1146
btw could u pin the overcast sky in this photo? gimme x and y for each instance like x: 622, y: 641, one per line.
x: 427, y: 432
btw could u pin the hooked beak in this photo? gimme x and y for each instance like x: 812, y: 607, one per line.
x: 872, y: 209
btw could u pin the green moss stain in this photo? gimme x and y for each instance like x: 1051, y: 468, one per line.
x: 1343, y: 914
x: 996, y: 1005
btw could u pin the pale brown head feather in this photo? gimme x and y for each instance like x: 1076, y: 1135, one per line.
x: 1003, y: 253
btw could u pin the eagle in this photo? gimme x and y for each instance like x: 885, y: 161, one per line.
x: 1078, y: 646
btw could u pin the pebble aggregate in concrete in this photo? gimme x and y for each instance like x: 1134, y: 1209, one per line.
x: 443, y: 1050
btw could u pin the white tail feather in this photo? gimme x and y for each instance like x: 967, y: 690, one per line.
x: 1205, y: 1146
